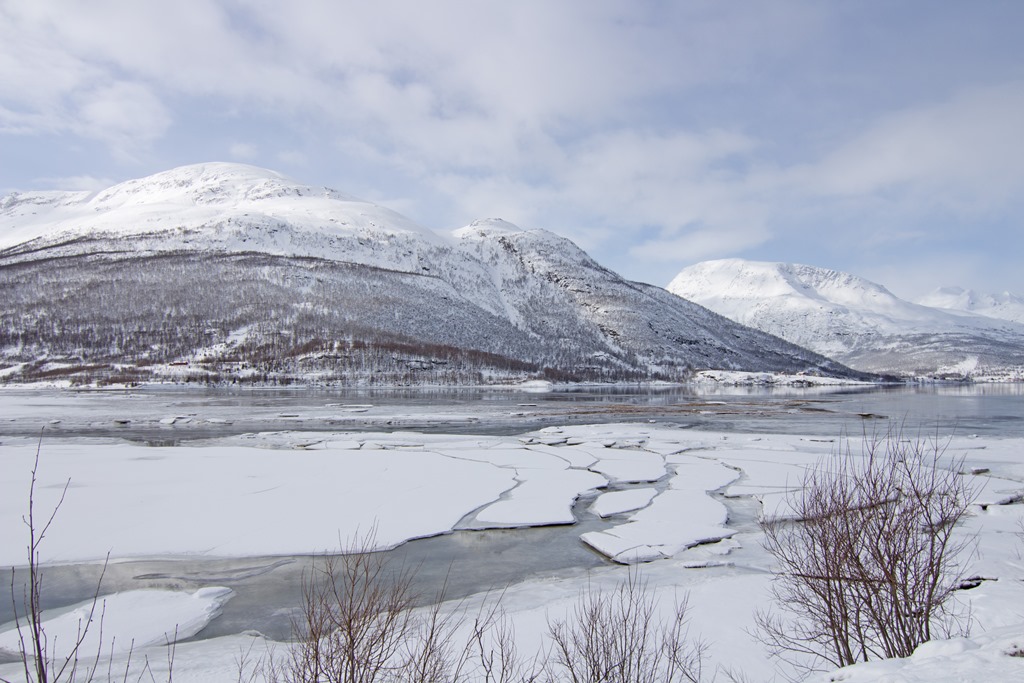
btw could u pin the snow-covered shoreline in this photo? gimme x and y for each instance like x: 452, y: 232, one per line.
x: 279, y: 493
x: 166, y: 475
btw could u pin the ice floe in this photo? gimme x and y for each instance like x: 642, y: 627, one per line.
x: 628, y: 466
x: 235, y: 501
x: 547, y: 499
x: 118, y: 623
x: 680, y: 517
x: 617, y: 502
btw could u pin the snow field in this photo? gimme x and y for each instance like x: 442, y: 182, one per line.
x: 286, y: 493
x: 227, y: 500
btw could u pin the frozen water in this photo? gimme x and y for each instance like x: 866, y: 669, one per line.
x: 546, y: 499
x: 681, y: 517
x: 132, y: 619
x: 236, y: 501
x: 289, y: 492
x: 617, y: 502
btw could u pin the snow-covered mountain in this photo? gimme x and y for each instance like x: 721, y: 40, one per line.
x: 1005, y: 306
x: 224, y: 271
x: 855, y: 321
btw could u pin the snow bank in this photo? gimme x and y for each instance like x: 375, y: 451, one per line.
x: 122, y: 622
x: 994, y: 656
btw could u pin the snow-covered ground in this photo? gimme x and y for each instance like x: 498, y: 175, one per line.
x: 685, y: 499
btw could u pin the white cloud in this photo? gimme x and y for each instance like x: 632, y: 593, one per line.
x: 448, y: 82
x: 245, y: 151
x: 674, y: 180
x: 913, y: 278
x: 125, y: 115
x: 292, y: 157
x: 49, y: 88
x: 699, y: 245
x: 970, y: 145
x: 913, y: 182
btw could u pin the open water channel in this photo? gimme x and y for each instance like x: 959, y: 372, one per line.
x: 267, y: 589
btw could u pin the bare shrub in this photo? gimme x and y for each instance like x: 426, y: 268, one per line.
x: 869, y: 568
x: 616, y: 637
x: 495, y: 653
x: 360, y: 623
x: 353, y: 626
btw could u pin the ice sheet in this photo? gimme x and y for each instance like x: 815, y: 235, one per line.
x: 123, y: 621
x: 623, y: 465
x: 678, y: 518
x: 541, y: 500
x: 235, y: 501
x: 617, y: 502
x: 442, y: 469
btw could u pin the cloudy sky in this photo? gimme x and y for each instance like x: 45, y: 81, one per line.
x: 882, y: 137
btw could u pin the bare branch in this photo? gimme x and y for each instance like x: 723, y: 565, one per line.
x: 869, y: 568
x: 616, y: 637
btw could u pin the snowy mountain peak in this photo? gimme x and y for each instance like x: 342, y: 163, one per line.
x: 207, y: 197
x: 1005, y: 305
x: 531, y: 244
x: 742, y: 279
x: 209, y: 183
x: 486, y: 227
x: 851, y: 319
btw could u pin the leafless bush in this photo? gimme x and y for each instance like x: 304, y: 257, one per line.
x: 354, y: 626
x: 496, y: 655
x: 616, y: 637
x: 869, y: 568
x: 360, y: 623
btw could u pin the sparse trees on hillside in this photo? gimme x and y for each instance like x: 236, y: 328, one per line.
x: 95, y: 318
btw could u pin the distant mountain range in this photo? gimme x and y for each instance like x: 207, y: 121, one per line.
x: 952, y: 333
x: 1005, y: 305
x: 224, y: 272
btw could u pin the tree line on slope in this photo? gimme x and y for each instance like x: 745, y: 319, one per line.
x: 249, y: 317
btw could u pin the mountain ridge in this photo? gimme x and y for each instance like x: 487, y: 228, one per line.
x: 1003, y: 305
x: 240, y: 274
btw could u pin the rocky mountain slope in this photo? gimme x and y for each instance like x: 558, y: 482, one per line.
x: 855, y: 321
x: 224, y: 272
